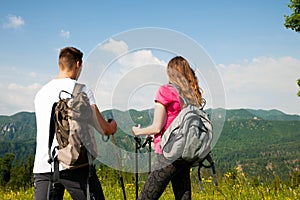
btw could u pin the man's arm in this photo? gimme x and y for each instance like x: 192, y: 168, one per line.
x: 100, y: 124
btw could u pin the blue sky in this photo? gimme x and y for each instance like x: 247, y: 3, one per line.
x: 257, y: 57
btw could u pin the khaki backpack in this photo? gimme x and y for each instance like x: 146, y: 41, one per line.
x: 70, y: 122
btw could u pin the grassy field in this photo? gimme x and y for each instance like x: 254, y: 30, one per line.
x: 232, y: 185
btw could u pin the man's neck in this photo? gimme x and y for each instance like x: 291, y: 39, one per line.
x: 66, y: 75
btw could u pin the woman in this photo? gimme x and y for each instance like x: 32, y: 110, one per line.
x: 169, y: 100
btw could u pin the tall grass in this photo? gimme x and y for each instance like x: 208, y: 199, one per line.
x: 233, y: 185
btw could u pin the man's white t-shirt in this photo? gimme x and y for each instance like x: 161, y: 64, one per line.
x: 44, y: 100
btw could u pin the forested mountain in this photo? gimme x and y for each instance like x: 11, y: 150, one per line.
x: 266, y: 143
x: 262, y: 142
x: 17, y: 135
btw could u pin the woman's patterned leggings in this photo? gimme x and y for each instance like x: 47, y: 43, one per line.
x: 178, y: 173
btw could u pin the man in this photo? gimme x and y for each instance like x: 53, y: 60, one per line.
x: 73, y: 180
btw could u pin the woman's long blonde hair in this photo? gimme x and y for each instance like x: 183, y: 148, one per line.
x: 183, y: 76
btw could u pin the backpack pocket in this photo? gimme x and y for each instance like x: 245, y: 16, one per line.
x: 173, y: 148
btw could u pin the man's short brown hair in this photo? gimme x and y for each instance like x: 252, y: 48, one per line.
x: 68, y: 56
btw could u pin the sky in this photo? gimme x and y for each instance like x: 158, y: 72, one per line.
x: 256, y: 59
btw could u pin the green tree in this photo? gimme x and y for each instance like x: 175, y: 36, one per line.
x: 21, y: 174
x: 5, y: 168
x: 293, y: 21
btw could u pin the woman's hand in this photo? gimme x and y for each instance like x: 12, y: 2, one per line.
x: 136, y: 129
x: 159, y: 121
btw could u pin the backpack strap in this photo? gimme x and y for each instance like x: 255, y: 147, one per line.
x: 52, y: 158
x: 186, y: 102
x: 212, y: 166
x: 51, y: 133
x: 77, y: 88
x: 88, y: 192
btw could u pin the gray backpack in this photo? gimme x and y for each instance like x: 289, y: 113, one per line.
x: 188, y: 137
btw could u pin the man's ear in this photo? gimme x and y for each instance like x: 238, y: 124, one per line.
x: 78, y: 69
x: 78, y: 64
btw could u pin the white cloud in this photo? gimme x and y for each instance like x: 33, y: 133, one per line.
x: 127, y: 82
x: 121, y: 78
x: 263, y: 83
x: 18, y: 87
x: 140, y: 58
x: 65, y: 34
x: 115, y: 47
x: 17, y: 97
x: 131, y: 82
x: 14, y: 22
x: 33, y: 74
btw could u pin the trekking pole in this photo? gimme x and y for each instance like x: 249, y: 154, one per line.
x: 137, y: 147
x: 119, y: 166
x: 148, y: 141
x: 149, y: 150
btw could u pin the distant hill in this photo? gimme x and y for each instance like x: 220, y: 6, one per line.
x: 20, y: 126
x: 274, y: 115
x: 17, y: 135
x: 263, y: 142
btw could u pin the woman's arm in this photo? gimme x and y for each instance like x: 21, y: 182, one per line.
x: 100, y: 124
x: 159, y: 120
